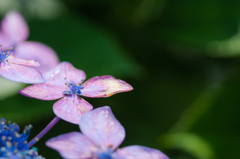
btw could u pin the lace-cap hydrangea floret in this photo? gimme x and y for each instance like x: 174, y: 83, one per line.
x: 13, y: 145
x: 67, y: 82
x: 101, y: 134
x: 14, y: 32
x: 15, y: 69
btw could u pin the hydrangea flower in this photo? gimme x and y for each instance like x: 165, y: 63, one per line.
x: 13, y: 145
x: 15, y: 69
x: 14, y: 31
x: 101, y: 134
x: 67, y: 82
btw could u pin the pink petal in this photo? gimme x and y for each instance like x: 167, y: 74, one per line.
x: 14, y: 26
x: 19, y: 73
x: 71, y: 108
x: 139, y: 152
x: 45, y: 55
x: 5, y: 41
x: 43, y: 92
x: 72, y: 145
x: 15, y: 60
x: 56, y: 75
x: 102, y: 128
x: 104, y: 86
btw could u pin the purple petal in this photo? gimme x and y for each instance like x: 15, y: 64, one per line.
x: 45, y: 55
x: 104, y: 86
x: 72, y: 145
x: 71, y: 108
x: 43, y: 92
x: 5, y: 41
x: 139, y: 152
x: 19, y: 73
x: 102, y: 128
x: 15, y: 60
x: 14, y: 26
x: 56, y: 75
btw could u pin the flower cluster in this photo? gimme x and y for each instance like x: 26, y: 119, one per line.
x: 14, y: 144
x: 101, y: 133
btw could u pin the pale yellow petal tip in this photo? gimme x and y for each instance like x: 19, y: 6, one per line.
x: 110, y: 94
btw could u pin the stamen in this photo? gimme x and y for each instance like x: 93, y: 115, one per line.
x: 9, y: 144
x: 8, y: 154
x: 67, y: 82
x: 11, y: 48
x: 3, y: 149
x: 16, y: 134
x: 3, y: 138
x: 81, y: 83
x: 15, y: 151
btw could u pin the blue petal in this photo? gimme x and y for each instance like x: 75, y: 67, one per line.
x: 78, y: 90
x: 67, y: 92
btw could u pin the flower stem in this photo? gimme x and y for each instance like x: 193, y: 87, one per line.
x: 43, y: 132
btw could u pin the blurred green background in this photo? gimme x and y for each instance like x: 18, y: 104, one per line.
x: 181, y: 57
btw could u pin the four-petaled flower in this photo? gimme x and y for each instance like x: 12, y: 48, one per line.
x: 15, y: 69
x: 14, y: 31
x: 67, y: 82
x: 101, y: 134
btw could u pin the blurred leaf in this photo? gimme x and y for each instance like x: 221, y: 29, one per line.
x: 24, y: 110
x: 138, y: 12
x: 44, y: 9
x: 226, y: 48
x: 196, y: 23
x: 196, y: 109
x: 189, y: 142
x: 220, y: 124
x: 86, y: 46
x: 9, y: 88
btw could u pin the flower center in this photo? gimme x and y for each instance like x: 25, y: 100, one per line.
x: 4, y: 55
x: 104, y: 156
x: 74, y: 88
